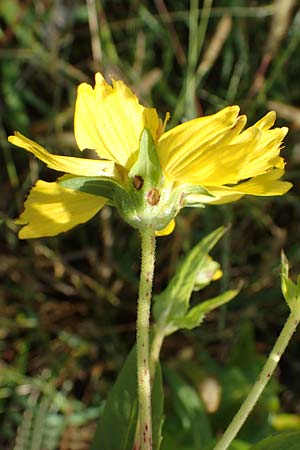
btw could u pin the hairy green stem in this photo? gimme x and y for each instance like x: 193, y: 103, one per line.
x: 261, y: 382
x: 142, y: 338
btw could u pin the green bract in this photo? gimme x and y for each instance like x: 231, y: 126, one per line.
x: 143, y: 196
x: 290, y: 290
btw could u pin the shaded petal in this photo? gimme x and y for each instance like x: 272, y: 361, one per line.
x: 267, y: 184
x: 69, y: 164
x: 162, y: 125
x: 110, y: 120
x: 167, y: 230
x: 221, y: 195
x: 51, y: 209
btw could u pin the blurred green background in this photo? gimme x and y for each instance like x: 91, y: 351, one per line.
x: 68, y: 304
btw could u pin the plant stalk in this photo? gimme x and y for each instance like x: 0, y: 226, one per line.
x: 142, y: 338
x: 261, y: 382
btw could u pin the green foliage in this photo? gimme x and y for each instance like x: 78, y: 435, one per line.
x: 72, y: 284
x: 121, y: 410
x: 237, y: 378
x: 196, y: 315
x: 193, y: 429
x: 290, y: 290
x: 41, y: 413
x: 280, y: 442
x: 171, y: 308
x: 157, y: 408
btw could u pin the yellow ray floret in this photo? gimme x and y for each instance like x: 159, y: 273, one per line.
x: 179, y: 147
x: 267, y: 184
x: 214, y: 151
x: 68, y: 164
x: 110, y: 120
x: 215, y: 154
x: 51, y: 209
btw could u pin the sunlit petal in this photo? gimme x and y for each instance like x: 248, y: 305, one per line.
x: 181, y: 146
x: 110, y: 120
x: 51, y: 209
x: 264, y: 154
x: 266, y: 122
x: 214, y: 151
x: 69, y: 164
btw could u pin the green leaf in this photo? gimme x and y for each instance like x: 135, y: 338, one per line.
x: 116, y: 427
x: 283, y: 441
x: 284, y: 265
x: 190, y: 410
x: 195, y: 315
x: 290, y: 290
x: 157, y: 408
x: 9, y: 11
x: 121, y: 410
x: 172, y: 304
x: 237, y: 444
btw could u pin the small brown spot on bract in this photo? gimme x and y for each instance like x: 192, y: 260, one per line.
x: 153, y: 196
x: 138, y: 182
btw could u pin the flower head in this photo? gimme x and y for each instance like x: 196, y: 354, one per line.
x: 147, y: 173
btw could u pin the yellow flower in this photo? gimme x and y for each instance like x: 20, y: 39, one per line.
x: 206, y: 160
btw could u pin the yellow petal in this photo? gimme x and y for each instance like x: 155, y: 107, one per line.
x: 75, y: 166
x: 180, y: 148
x: 262, y: 154
x: 162, y: 125
x: 51, y: 209
x: 217, y: 275
x: 110, y: 120
x: 168, y: 230
x: 267, y: 184
x: 250, y: 154
x: 266, y: 122
x: 212, y: 151
x: 221, y: 195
